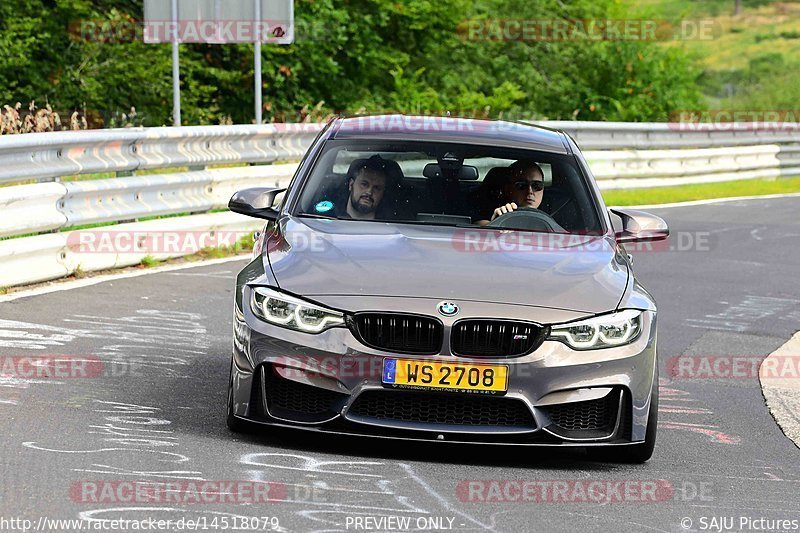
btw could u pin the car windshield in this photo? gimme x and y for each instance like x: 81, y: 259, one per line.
x: 451, y: 185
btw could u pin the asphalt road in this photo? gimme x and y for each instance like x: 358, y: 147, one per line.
x: 160, y: 345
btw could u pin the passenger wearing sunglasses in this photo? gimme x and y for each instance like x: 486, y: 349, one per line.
x: 524, y: 187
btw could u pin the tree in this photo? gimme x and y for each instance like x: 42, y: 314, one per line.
x: 350, y: 56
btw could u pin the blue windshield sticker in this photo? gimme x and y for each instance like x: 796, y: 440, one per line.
x: 324, y: 206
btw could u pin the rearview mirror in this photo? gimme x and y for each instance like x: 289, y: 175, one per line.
x: 640, y: 226
x: 465, y: 173
x: 256, y: 202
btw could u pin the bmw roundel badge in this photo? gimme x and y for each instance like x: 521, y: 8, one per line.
x: 448, y: 308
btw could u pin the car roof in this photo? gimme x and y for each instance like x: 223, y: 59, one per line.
x: 450, y: 130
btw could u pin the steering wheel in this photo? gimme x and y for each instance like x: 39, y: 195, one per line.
x: 527, y: 218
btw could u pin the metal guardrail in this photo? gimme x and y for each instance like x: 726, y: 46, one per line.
x: 620, y: 155
x: 50, y: 256
x: 52, y: 155
x: 662, y: 135
x: 50, y: 206
x: 630, y: 155
x: 652, y: 168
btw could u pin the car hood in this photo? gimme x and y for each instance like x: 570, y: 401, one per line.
x: 318, y: 257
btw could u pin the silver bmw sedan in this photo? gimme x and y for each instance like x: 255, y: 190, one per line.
x: 446, y: 279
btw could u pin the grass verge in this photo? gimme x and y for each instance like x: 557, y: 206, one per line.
x: 244, y: 244
x: 148, y: 261
x: 701, y: 191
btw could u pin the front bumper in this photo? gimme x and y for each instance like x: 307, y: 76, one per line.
x: 331, y: 382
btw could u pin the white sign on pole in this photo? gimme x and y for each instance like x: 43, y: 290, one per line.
x: 220, y: 21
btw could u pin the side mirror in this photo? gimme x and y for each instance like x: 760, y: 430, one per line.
x: 640, y: 226
x: 256, y: 202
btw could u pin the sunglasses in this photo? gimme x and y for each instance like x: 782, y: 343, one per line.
x: 523, y: 185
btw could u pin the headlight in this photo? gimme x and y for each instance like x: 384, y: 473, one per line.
x: 290, y: 312
x: 604, y: 331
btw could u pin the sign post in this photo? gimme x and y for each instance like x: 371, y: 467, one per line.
x: 257, y: 64
x: 218, y: 22
x: 176, y: 70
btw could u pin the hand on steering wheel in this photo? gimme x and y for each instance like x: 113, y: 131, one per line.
x: 503, y: 209
x: 523, y: 218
